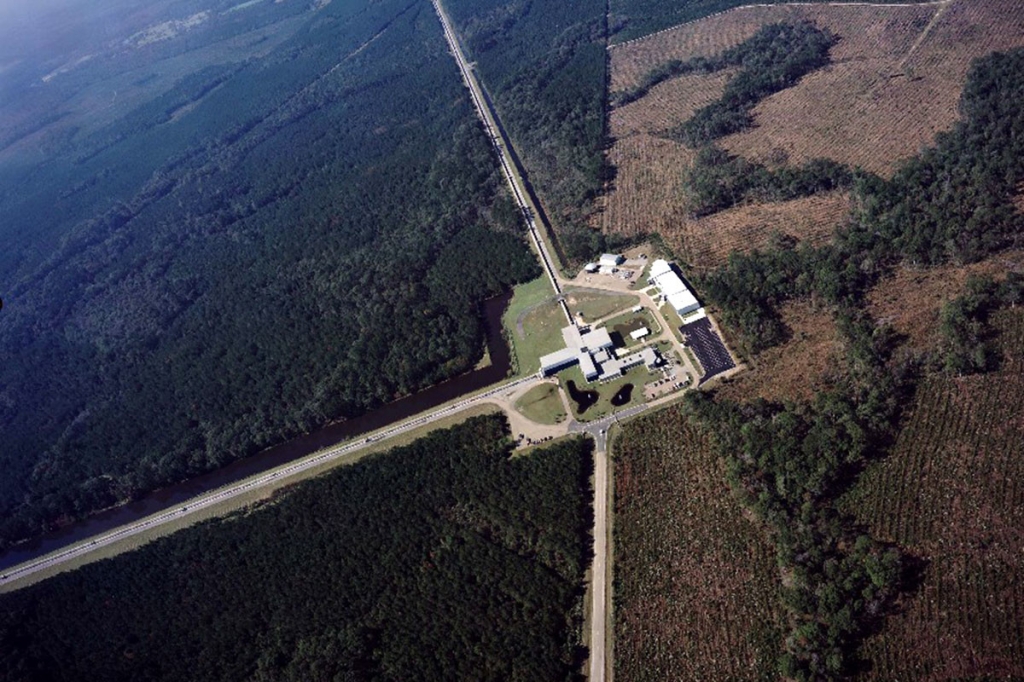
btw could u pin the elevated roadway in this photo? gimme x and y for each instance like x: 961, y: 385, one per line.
x: 510, y: 167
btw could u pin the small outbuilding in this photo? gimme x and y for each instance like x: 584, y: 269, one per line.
x: 610, y: 260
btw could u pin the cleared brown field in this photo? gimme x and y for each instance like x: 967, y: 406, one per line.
x: 708, y: 241
x: 797, y: 369
x: 877, y: 104
x: 696, y: 588
x: 895, y: 82
x: 910, y: 300
x: 952, y: 494
x: 647, y: 195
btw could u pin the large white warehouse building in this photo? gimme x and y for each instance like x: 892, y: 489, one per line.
x: 671, y: 287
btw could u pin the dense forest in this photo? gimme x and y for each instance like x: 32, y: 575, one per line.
x: 544, y: 63
x: 442, y: 560
x: 789, y: 463
x: 266, y: 246
x: 717, y: 180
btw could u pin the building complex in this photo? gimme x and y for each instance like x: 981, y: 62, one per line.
x: 594, y: 351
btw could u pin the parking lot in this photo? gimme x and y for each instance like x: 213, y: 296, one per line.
x: 702, y: 339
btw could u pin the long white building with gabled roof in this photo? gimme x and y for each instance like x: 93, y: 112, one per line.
x: 672, y: 288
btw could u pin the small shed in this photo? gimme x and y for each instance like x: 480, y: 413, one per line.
x: 611, y: 259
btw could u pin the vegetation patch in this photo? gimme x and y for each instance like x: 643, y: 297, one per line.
x: 538, y: 331
x: 442, y: 560
x: 696, y: 591
x: 717, y: 181
x: 595, y: 305
x: 525, y: 298
x: 950, y: 494
x: 775, y: 58
x: 633, y: 19
x: 542, y: 404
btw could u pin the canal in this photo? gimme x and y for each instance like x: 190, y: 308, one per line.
x: 332, y: 434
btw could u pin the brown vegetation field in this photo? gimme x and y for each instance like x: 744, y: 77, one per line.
x: 797, y: 369
x: 708, y: 241
x: 910, y: 300
x: 895, y: 81
x: 951, y: 493
x: 696, y: 587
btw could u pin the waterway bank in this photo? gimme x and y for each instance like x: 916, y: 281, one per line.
x: 332, y: 434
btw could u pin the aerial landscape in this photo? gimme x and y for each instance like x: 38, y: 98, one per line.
x: 530, y: 340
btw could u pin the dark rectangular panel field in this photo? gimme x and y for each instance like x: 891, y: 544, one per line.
x: 707, y: 345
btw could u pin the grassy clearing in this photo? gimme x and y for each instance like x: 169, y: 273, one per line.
x: 533, y: 324
x: 637, y: 376
x: 630, y: 321
x: 247, y: 499
x: 542, y: 404
x: 594, y: 305
x: 951, y: 494
x: 696, y: 589
x: 673, y: 320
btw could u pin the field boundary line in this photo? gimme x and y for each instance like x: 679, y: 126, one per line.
x: 930, y: 3
x: 926, y: 32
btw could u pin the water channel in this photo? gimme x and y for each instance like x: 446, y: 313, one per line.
x: 329, y: 435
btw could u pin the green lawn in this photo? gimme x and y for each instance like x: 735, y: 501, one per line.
x: 638, y: 376
x: 542, y: 322
x: 673, y: 320
x: 542, y: 404
x: 595, y: 305
x: 633, y: 320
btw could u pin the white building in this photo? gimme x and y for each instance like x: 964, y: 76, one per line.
x: 640, y: 333
x: 672, y: 288
x: 595, y: 352
x: 559, y: 360
x: 610, y: 260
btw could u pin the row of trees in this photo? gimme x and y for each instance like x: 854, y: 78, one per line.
x: 717, y: 180
x: 447, y: 559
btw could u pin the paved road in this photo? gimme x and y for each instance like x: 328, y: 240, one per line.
x: 512, y: 170
x: 261, y: 480
x: 599, y: 571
